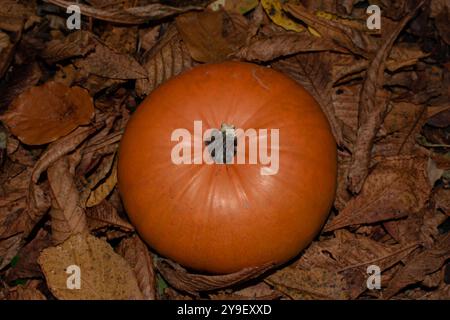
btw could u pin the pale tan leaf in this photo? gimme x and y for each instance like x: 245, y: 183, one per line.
x: 104, y: 274
x: 78, y: 43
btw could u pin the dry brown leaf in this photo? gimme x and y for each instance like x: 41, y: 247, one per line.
x: 312, y: 70
x: 275, y: 46
x: 45, y: 113
x: 9, y: 248
x: 400, y: 128
x: 78, y: 43
x: 105, y: 215
x: 397, y: 187
x: 212, y: 36
x: 420, y: 265
x: 345, y: 258
x: 60, y: 148
x: 317, y: 283
x: 260, y: 291
x: 135, y: 251
x: 121, y: 38
x: 104, y: 274
x: 404, y: 55
x: 106, y: 63
x: 372, y: 110
x: 442, y: 199
x: 133, y: 15
x: 68, y: 216
x: 168, y: 58
x: 28, y: 292
x: 193, y: 283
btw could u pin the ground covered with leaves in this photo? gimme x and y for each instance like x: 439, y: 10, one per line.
x: 66, y: 96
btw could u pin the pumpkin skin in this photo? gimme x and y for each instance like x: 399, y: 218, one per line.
x: 221, y: 218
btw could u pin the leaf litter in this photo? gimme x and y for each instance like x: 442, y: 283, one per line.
x: 66, y: 96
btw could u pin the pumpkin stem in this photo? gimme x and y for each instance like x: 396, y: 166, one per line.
x: 222, y: 144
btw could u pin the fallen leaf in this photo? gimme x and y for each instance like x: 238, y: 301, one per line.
x: 212, y: 36
x: 26, y: 265
x: 76, y: 44
x: 397, y: 187
x: 104, y: 275
x: 105, y: 215
x: 353, y: 39
x: 317, y: 283
x: 60, y: 148
x: 9, y: 248
x: 424, y: 263
x: 168, y: 58
x: 106, y: 63
x: 270, y: 48
x: 133, y: 15
x: 68, y: 216
x: 137, y: 255
x: 193, y: 283
x: 28, y: 292
x: 98, y: 194
x: 372, y: 110
x: 43, y: 114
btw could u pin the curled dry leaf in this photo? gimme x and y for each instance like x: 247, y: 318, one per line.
x: 68, y: 216
x: 104, y: 274
x: 421, y: 265
x: 168, y: 58
x: 133, y: 15
x: 397, y: 187
x: 372, y: 110
x: 45, y: 113
x: 212, y: 36
x: 106, y: 63
x: 193, y: 283
x: 137, y: 255
x: 98, y: 194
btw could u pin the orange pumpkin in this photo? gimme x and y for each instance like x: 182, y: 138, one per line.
x: 220, y: 218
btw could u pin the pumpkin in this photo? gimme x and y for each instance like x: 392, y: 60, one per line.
x: 222, y: 216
